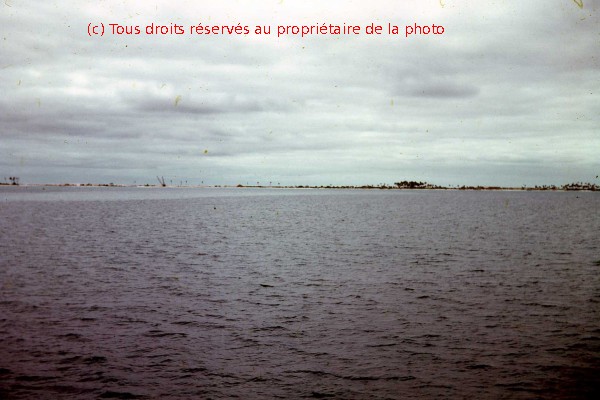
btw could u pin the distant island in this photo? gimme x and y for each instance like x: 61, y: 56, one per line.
x: 414, y: 185
x: 402, y: 185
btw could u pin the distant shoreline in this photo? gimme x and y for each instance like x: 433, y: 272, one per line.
x: 410, y: 186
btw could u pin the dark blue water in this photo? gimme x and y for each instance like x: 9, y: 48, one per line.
x: 256, y: 294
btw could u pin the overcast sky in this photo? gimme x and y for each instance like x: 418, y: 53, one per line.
x: 508, y: 95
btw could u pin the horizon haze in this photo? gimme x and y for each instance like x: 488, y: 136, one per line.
x: 508, y: 95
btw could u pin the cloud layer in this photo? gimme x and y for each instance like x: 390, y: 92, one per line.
x: 508, y: 95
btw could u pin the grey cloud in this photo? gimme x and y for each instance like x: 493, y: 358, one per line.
x: 444, y: 91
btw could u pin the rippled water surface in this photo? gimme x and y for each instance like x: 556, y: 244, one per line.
x: 258, y: 294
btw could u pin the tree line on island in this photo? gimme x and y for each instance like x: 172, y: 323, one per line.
x: 426, y: 185
x: 14, y: 181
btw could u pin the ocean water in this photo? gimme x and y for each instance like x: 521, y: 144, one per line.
x: 257, y: 294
